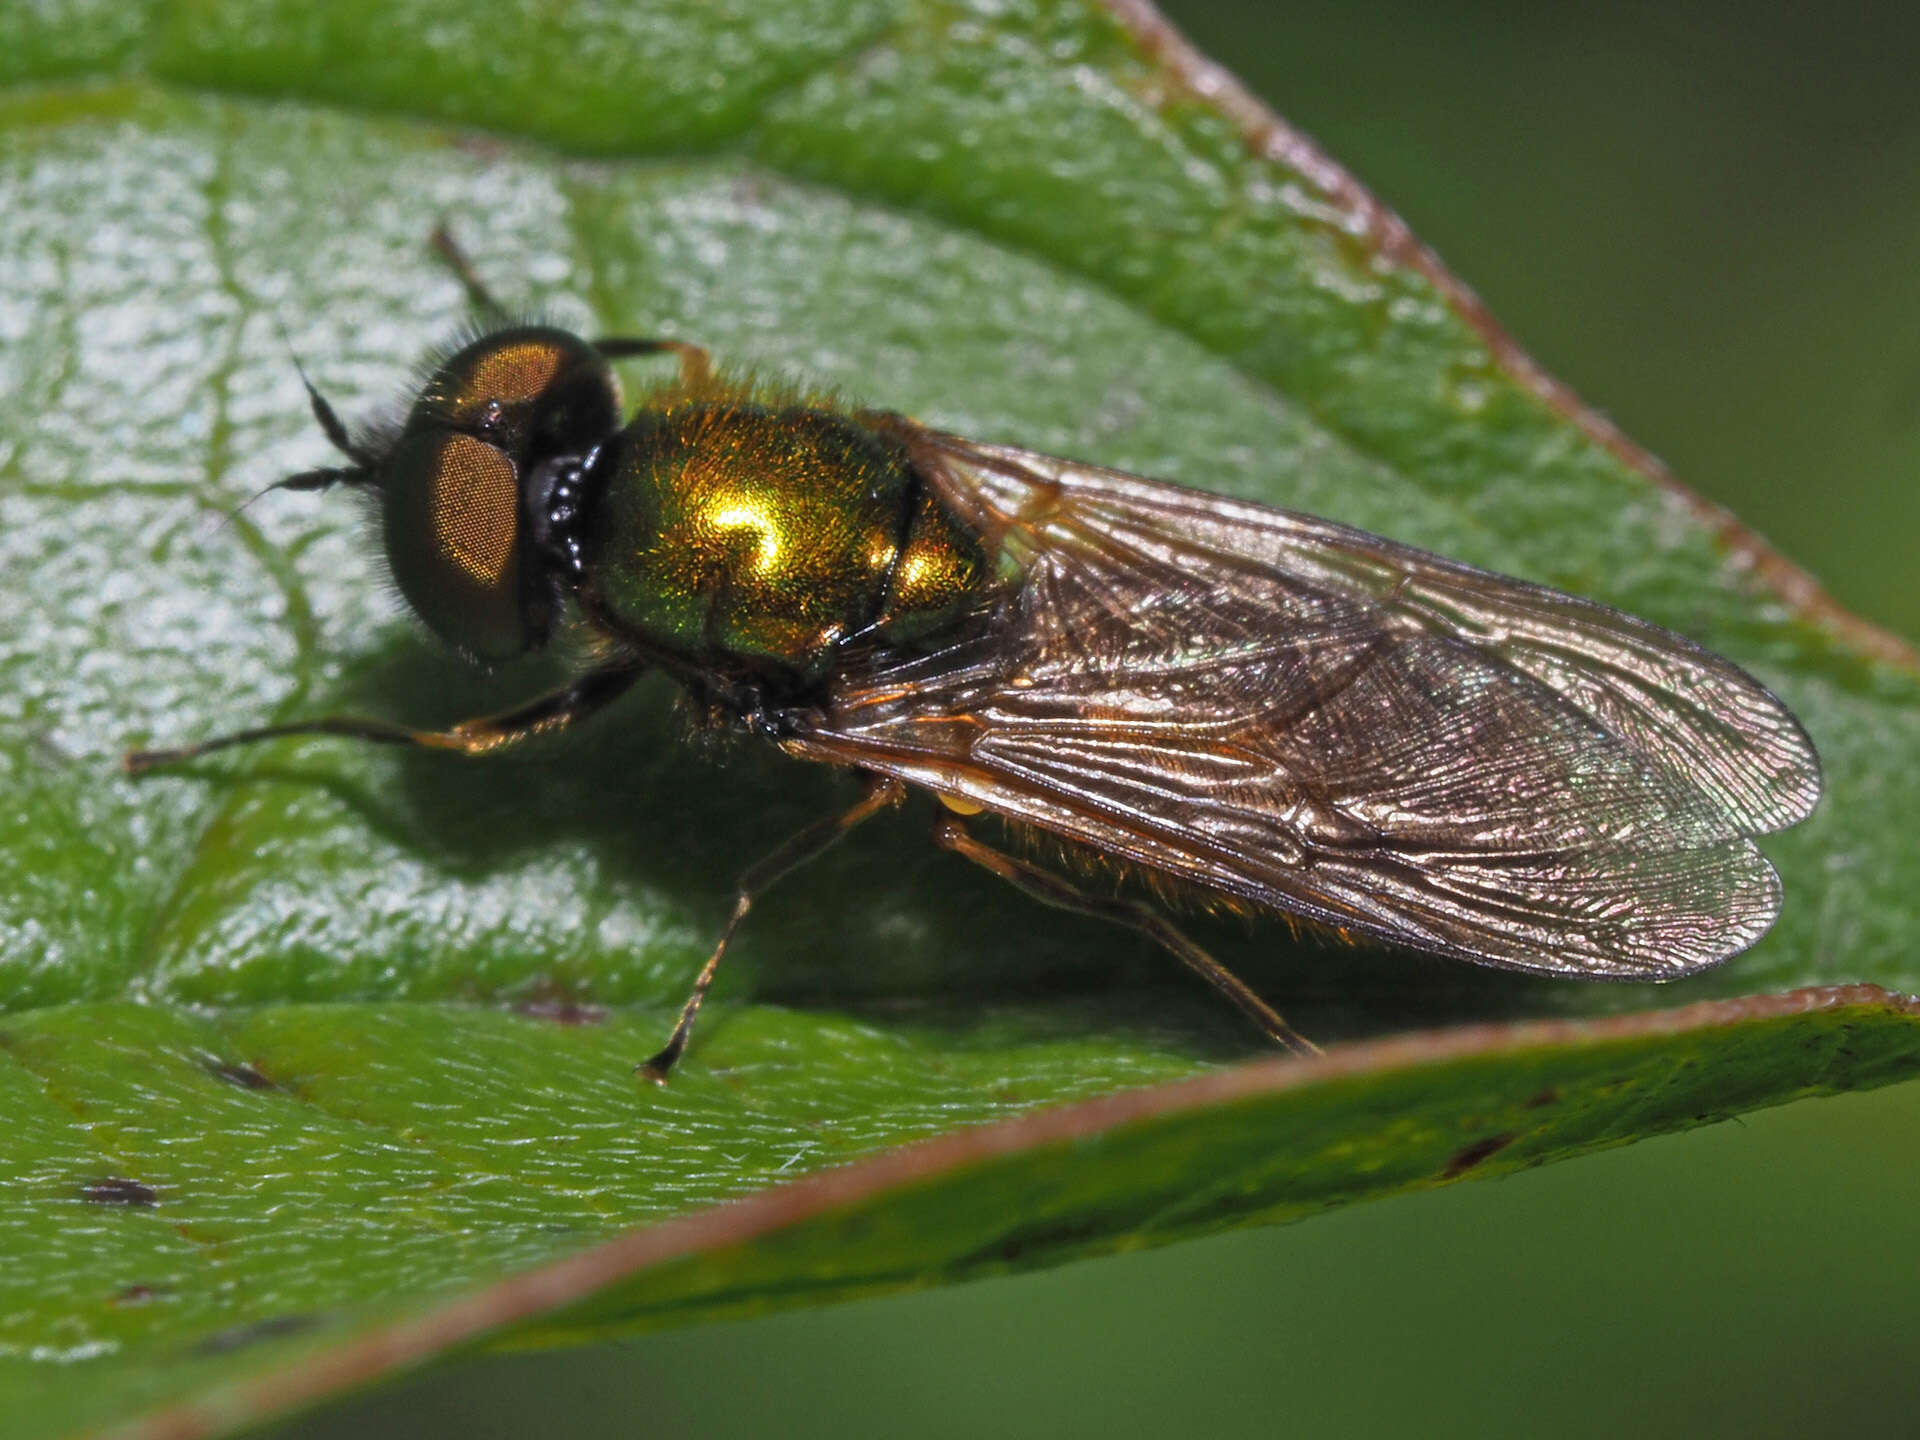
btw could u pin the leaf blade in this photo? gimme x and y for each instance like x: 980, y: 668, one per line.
x: 1183, y: 302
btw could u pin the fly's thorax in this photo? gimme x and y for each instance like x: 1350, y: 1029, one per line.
x: 741, y: 531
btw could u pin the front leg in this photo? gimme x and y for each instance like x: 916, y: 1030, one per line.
x: 551, y: 712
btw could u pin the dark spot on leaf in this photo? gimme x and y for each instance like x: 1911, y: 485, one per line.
x: 117, y: 1191
x: 1468, y: 1156
x: 1549, y: 1096
x: 140, y: 1294
x: 225, y: 1342
x: 481, y: 147
x: 240, y: 1073
x: 562, y: 1011
x: 1035, y: 1244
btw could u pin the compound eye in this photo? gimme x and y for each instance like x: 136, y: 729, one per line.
x: 529, y: 389
x: 452, y: 513
x: 508, y: 370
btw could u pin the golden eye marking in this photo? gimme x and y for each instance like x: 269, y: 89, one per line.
x: 511, y: 373
x: 475, y: 507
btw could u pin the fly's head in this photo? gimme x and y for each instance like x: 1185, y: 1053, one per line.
x: 477, y: 489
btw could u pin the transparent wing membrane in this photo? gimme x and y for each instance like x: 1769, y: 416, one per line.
x: 1318, y: 720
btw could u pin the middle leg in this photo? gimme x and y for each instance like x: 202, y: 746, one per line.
x: 1051, y: 889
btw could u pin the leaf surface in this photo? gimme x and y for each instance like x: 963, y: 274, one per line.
x: 304, y: 1044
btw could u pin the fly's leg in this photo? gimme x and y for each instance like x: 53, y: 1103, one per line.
x: 1045, y: 886
x: 696, y: 366
x: 805, y: 845
x: 471, y: 737
x: 481, y: 298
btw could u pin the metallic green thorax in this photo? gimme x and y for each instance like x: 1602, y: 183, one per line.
x: 739, y: 531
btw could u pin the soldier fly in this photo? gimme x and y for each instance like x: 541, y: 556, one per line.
x: 1270, y: 710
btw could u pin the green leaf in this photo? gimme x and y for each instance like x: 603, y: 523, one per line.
x: 302, y: 1044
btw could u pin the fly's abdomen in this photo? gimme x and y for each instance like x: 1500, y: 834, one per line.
x: 732, y: 530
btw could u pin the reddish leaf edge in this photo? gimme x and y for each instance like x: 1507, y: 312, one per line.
x: 1272, y: 138
x: 387, y: 1350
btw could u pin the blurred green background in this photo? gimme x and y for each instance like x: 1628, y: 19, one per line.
x: 1705, y: 217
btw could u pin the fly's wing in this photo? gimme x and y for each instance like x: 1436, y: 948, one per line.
x: 1315, y: 719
